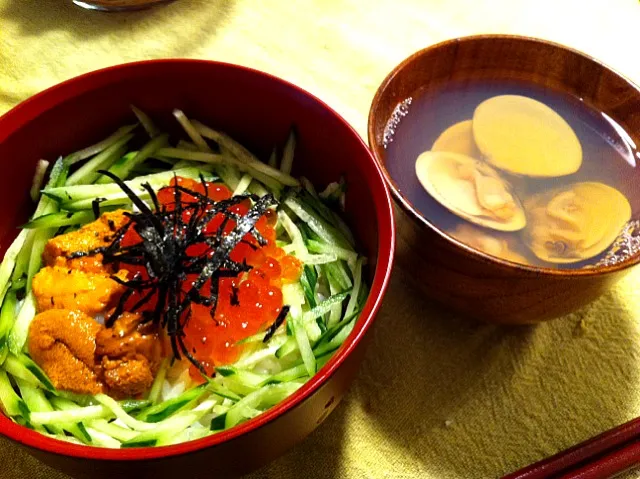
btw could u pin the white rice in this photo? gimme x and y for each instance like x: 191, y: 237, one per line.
x: 177, y: 381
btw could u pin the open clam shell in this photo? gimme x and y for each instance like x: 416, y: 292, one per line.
x: 458, y: 138
x: 575, y: 222
x: 487, y: 242
x: 525, y: 137
x: 470, y: 189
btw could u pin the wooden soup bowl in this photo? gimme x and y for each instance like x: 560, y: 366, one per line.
x: 446, y: 270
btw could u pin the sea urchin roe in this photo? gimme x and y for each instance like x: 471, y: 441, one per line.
x: 90, y: 237
x: 82, y: 356
x: 128, y: 355
x: 63, y: 344
x: 56, y: 287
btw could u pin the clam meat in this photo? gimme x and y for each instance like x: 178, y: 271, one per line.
x: 470, y: 189
x: 574, y: 222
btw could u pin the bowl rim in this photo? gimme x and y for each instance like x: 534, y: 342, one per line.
x: 423, y: 222
x: 27, y: 110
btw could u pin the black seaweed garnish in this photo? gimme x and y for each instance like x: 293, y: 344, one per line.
x: 271, y: 330
x: 234, y: 296
x: 95, y: 206
x: 166, y: 237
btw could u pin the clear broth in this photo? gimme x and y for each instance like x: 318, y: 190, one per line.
x: 608, y: 156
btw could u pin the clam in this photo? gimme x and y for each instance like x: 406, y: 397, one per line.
x: 458, y: 138
x: 470, y: 189
x: 486, y: 242
x: 523, y: 136
x: 575, y: 222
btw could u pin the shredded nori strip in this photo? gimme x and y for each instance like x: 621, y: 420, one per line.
x: 95, y: 206
x: 271, y: 330
x: 234, y: 296
x: 166, y: 237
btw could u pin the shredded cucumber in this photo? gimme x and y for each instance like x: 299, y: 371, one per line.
x: 123, y: 167
x: 78, y: 430
x: 287, y: 155
x: 20, y: 331
x: 88, y: 172
x: 337, y: 340
x: 9, y: 262
x: 18, y: 370
x: 357, y: 282
x: 246, y: 378
x: 113, y: 430
x: 100, y: 146
x: 324, y: 307
x: 292, y: 230
x: 338, y: 253
x: 186, y: 145
x: 70, y: 415
x: 263, y: 398
x: 81, y: 197
x: 327, y: 232
x: 338, y: 276
x: 36, y: 401
x: 271, y: 177
x: 243, y: 184
x: 146, y: 122
x: 11, y: 403
x: 308, y: 281
x: 62, y: 218
x: 245, y: 156
x: 116, y: 409
x: 302, y: 339
x: 154, y: 393
x: 38, y: 179
x: 66, y: 194
x: 102, y: 439
x: 273, y: 158
x: 40, y: 239
x: 160, y: 433
x: 191, y: 131
x: 162, y: 411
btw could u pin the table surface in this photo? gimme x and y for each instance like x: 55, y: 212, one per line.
x: 438, y: 396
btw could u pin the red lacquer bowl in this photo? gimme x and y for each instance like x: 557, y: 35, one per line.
x: 258, y: 110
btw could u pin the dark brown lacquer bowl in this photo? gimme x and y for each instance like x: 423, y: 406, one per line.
x: 446, y: 270
x: 258, y: 110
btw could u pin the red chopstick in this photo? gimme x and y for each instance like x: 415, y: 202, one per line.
x: 608, y: 465
x: 602, y: 456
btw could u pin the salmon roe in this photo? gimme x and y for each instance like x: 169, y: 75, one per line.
x: 247, y: 303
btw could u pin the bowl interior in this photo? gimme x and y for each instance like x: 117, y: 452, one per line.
x: 496, y: 58
x: 254, y: 108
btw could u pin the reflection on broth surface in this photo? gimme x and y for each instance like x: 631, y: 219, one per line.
x: 518, y: 172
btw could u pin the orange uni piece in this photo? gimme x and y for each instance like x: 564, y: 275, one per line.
x: 63, y: 343
x: 56, y: 287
